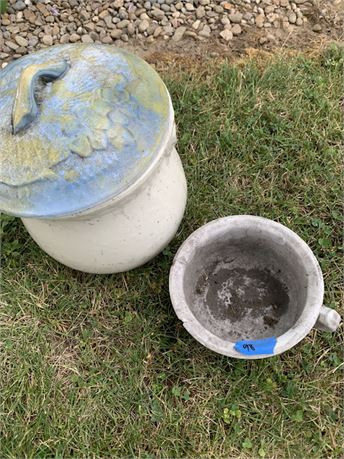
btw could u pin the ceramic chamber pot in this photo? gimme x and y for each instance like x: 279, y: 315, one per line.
x: 88, y: 156
x: 248, y: 287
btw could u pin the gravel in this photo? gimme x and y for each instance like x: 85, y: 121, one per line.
x: 33, y: 24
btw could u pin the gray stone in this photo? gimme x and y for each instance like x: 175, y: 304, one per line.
x: 235, y: 17
x: 21, y: 50
x: 317, y: 28
x: 108, y: 22
x: 236, y: 29
x: 103, y: 14
x: 174, y: 22
x: 19, y: 6
x: 292, y: 18
x: 118, y: 4
x: 269, y: 9
x: 205, y: 32
x: 33, y: 41
x: 71, y: 27
x: 260, y: 19
x: 190, y: 33
x: 90, y: 26
x: 74, y: 38
x: 179, y: 33
x: 157, y: 14
x: 65, y: 38
x: 157, y: 31
x: 86, y: 39
x: 122, y: 24
x: 84, y: 15
x: 168, y: 30
x: 151, y: 29
x: 94, y: 36
x: 196, y: 24
x: 227, y: 35
x: 122, y: 14
x: 143, y: 26
x: 21, y: 41
x: 131, y: 29
x: 116, y: 33
x: 106, y: 40
x: 12, y: 45
x: 47, y: 40
x: 200, y: 12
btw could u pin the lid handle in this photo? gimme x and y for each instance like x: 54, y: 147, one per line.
x: 25, y: 107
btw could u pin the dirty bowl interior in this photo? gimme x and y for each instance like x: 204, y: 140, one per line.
x: 245, y: 282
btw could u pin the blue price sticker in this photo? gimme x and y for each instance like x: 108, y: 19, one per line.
x: 256, y: 346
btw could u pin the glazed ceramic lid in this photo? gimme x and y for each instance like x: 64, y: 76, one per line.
x: 79, y: 124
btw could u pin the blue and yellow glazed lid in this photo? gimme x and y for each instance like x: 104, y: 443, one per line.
x: 79, y: 124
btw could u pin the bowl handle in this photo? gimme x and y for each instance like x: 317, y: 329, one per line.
x: 328, y: 320
x: 25, y: 108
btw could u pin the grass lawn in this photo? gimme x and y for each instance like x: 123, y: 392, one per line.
x: 99, y: 366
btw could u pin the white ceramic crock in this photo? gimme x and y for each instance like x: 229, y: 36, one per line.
x: 243, y: 244
x: 88, y: 156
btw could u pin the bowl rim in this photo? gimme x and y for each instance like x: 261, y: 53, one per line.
x: 206, y: 233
